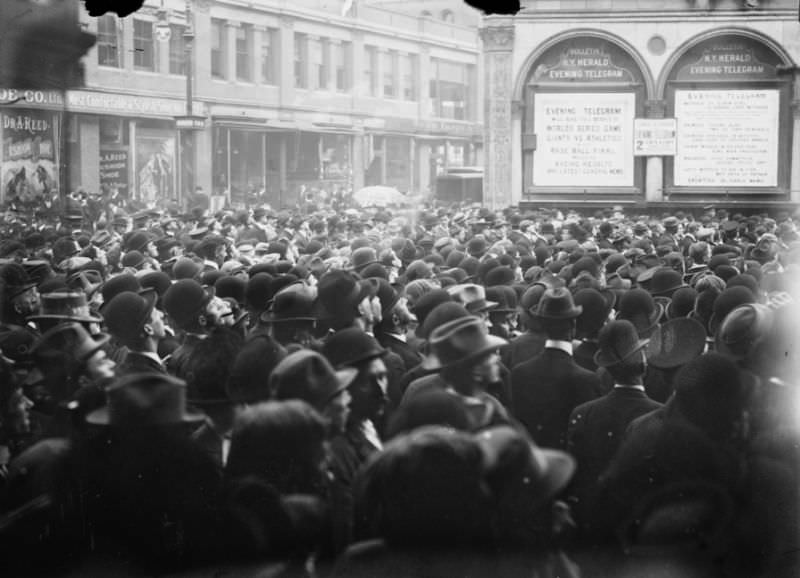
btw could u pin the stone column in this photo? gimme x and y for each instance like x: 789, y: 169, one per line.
x: 794, y: 180
x: 654, y: 170
x: 498, y: 45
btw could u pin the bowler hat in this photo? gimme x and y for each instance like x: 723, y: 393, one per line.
x: 597, y: 306
x: 186, y: 268
x: 477, y: 246
x: 617, y: 341
x: 426, y: 304
x: 127, y: 314
x: 675, y: 343
x: 185, y: 300
x: 339, y: 293
x: 726, y: 302
x: 145, y: 399
x: 351, y: 346
x: 14, y: 280
x: 16, y: 344
x: 665, y: 282
x: 68, y: 341
x: 229, y: 286
x: 362, y: 257
x: 459, y: 341
x: 138, y: 241
x: 499, y: 276
x: 638, y: 307
x: 682, y: 303
x: 308, y: 376
x: 744, y: 330
x: 556, y: 303
x: 290, y: 306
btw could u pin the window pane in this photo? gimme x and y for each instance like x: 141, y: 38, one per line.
x: 243, y: 52
x: 450, y: 89
x: 409, y: 76
x: 300, y: 60
x: 389, y: 63
x: 317, y: 65
x: 217, y: 49
x: 342, y: 52
x: 268, y: 47
x: 143, y: 46
x: 177, y: 50
x: 370, y: 64
x: 109, y: 39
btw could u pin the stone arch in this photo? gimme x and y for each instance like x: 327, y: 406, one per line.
x: 687, y: 45
x: 530, y: 60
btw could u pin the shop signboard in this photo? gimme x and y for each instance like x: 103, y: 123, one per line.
x: 584, y: 139
x: 114, y: 170
x: 29, y: 166
x: 654, y: 137
x: 727, y: 138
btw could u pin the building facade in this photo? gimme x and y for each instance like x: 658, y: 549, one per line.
x: 284, y: 96
x: 688, y: 102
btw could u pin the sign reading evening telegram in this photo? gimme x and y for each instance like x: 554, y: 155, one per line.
x: 727, y: 138
x: 584, y: 139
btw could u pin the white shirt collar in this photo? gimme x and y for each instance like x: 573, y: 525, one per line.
x: 565, y: 346
x: 149, y: 355
x: 621, y: 386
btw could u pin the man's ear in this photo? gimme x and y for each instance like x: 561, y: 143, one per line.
x: 147, y: 329
x: 202, y: 320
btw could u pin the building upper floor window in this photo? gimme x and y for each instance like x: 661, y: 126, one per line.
x: 319, y: 70
x: 177, y: 49
x: 300, y: 60
x: 341, y: 59
x: 408, y: 76
x: 389, y: 74
x: 143, y: 45
x: 109, y: 41
x: 370, y: 68
x: 217, y: 48
x: 244, y: 35
x: 448, y: 16
x: 450, y: 87
x: 269, y: 54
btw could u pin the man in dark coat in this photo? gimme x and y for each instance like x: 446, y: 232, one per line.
x: 133, y: 320
x: 547, y: 388
x: 596, y: 427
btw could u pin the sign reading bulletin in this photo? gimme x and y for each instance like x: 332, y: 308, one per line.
x: 584, y: 139
x: 727, y: 138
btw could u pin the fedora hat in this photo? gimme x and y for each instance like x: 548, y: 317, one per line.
x: 458, y: 341
x: 557, y: 303
x: 675, y: 343
x: 471, y: 296
x: 546, y: 471
x: 145, y: 399
x: 65, y: 306
x: 66, y: 341
x: 616, y: 342
x: 309, y: 376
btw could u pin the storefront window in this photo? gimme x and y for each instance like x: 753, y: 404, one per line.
x: 109, y: 41
x: 143, y: 46
x: 335, y: 156
x: 247, y: 163
x: 303, y: 156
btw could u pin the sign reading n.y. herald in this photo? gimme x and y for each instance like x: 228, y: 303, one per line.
x: 28, y: 166
x: 114, y: 170
x: 583, y: 62
x: 725, y: 62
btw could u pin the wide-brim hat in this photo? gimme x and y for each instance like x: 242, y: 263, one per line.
x: 556, y: 303
x: 145, y: 399
x: 547, y: 471
x: 618, y: 341
x: 459, y: 341
x: 676, y: 343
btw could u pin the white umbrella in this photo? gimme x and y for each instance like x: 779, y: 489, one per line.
x: 378, y: 196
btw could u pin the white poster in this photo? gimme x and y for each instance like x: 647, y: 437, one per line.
x: 654, y: 137
x: 727, y: 138
x: 584, y: 140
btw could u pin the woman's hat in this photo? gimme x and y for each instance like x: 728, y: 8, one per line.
x: 546, y: 471
x: 675, y: 343
x: 557, y: 303
x: 617, y: 341
x: 145, y: 399
x: 458, y: 341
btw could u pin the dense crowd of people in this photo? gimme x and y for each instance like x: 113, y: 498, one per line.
x: 450, y: 391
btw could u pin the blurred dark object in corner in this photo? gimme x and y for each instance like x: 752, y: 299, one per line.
x: 121, y: 7
x: 495, y: 6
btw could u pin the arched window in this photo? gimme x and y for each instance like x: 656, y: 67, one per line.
x: 448, y: 16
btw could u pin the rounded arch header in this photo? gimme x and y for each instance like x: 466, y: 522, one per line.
x: 535, y: 57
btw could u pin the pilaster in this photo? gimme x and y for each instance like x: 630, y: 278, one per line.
x: 654, y: 168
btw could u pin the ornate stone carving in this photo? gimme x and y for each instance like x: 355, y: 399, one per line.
x: 497, y: 38
x: 202, y: 5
